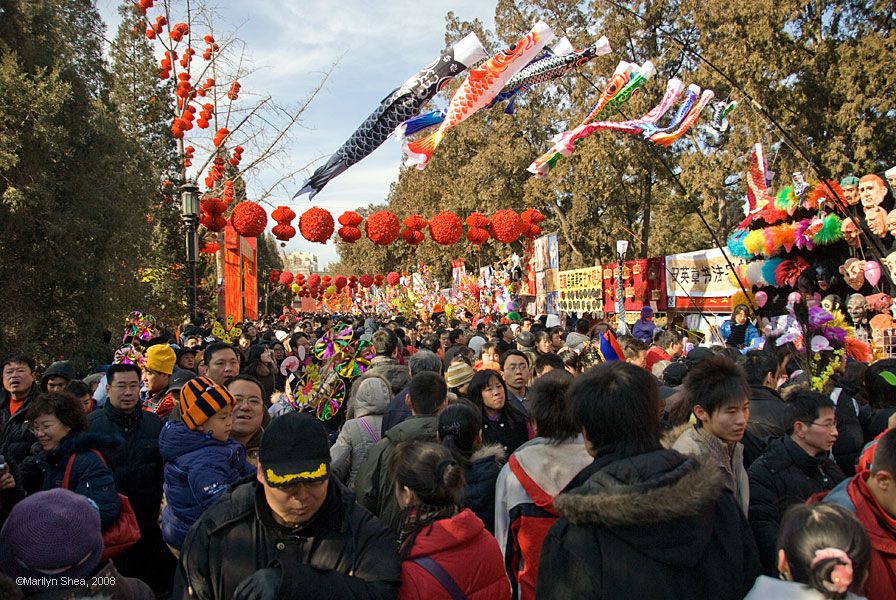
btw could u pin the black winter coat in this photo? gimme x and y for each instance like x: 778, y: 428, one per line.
x: 851, y: 438
x: 136, y: 463
x: 658, y: 525
x: 16, y: 437
x: 783, y: 476
x: 138, y: 468
x: 343, y: 552
x: 482, y: 476
x: 510, y: 432
x: 91, y: 476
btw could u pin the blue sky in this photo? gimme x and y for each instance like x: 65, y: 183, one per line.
x: 292, y: 42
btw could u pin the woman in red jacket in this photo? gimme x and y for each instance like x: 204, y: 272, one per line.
x: 438, y: 537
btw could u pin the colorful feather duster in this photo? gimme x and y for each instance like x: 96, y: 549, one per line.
x: 769, y: 268
x: 736, y: 244
x: 830, y: 231
x: 754, y: 242
x: 786, y: 200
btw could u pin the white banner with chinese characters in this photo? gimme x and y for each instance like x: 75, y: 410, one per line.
x: 701, y: 274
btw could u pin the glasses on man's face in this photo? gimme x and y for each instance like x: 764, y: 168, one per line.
x: 831, y: 426
x: 251, y: 400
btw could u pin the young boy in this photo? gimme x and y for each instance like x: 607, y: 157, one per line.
x: 201, y: 461
x: 718, y: 396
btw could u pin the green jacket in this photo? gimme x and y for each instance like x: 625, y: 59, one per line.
x: 374, y: 487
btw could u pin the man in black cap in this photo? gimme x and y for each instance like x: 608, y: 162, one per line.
x: 294, y: 532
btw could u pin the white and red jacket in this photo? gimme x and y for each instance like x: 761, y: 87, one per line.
x: 524, y: 510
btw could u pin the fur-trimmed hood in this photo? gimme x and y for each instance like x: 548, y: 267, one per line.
x: 660, y: 502
x: 656, y: 487
x: 492, y: 451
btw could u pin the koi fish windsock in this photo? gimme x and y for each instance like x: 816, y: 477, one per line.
x: 479, y: 89
x: 402, y: 104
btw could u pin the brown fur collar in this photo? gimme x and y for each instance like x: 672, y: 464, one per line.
x: 669, y: 438
x: 600, y: 502
x: 494, y: 451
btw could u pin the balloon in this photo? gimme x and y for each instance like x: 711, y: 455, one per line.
x: 872, y: 272
x: 794, y: 298
x: 295, y: 288
x: 761, y: 298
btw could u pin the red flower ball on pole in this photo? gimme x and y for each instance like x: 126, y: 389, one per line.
x: 505, y: 226
x: 378, y: 280
x: 382, y: 228
x: 340, y: 282
x: 366, y: 281
x: 313, y: 280
x: 316, y: 225
x: 249, y: 219
x: 286, y: 278
x: 393, y: 278
x: 446, y: 228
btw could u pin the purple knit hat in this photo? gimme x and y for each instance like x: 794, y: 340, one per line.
x: 646, y: 312
x: 51, y: 535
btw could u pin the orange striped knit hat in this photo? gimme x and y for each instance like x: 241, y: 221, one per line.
x: 200, y: 399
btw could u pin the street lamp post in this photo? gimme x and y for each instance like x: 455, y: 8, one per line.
x: 189, y: 212
x: 621, y: 249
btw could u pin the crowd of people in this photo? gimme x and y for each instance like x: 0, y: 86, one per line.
x: 514, y: 459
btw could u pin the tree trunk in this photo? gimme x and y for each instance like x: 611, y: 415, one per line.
x: 646, y: 201
x: 565, y: 230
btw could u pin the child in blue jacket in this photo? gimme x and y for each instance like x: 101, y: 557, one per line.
x: 201, y: 460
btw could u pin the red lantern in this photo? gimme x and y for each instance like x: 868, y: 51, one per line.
x: 382, y: 227
x: 415, y: 222
x: 300, y: 278
x: 326, y: 280
x: 249, y: 219
x: 212, y: 223
x: 286, y: 278
x: 350, y: 218
x: 477, y: 236
x: 393, y: 278
x: 313, y: 280
x: 274, y: 276
x: 340, y: 282
x: 316, y: 225
x: 210, y: 248
x: 506, y: 226
x: 412, y: 236
x: 283, y: 230
x: 377, y: 280
x: 349, y: 234
x: 530, y: 218
x: 366, y: 281
x: 446, y: 228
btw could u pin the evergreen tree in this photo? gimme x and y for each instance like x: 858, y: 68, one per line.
x: 72, y: 189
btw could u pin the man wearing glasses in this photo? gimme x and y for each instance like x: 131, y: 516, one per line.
x: 792, y: 469
x: 137, y: 467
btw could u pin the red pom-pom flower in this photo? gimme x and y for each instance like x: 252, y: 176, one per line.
x: 286, y: 278
x: 382, y: 228
x: 316, y: 225
x: 313, y: 280
x: 446, y: 228
x: 249, y: 219
x: 505, y: 226
x: 393, y: 278
x: 366, y: 281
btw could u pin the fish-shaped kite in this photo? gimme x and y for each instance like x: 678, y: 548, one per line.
x: 553, y: 66
x: 627, y: 78
x: 480, y: 88
x: 402, y: 104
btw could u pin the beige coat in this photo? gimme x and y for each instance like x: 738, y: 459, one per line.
x: 698, y: 442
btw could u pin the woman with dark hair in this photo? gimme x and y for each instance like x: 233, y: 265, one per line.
x: 501, y: 423
x: 823, y: 552
x: 543, y: 343
x: 738, y: 331
x: 278, y: 351
x: 59, y: 424
x: 571, y: 360
x: 460, y: 430
x: 535, y: 474
x: 260, y: 365
x: 446, y: 551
